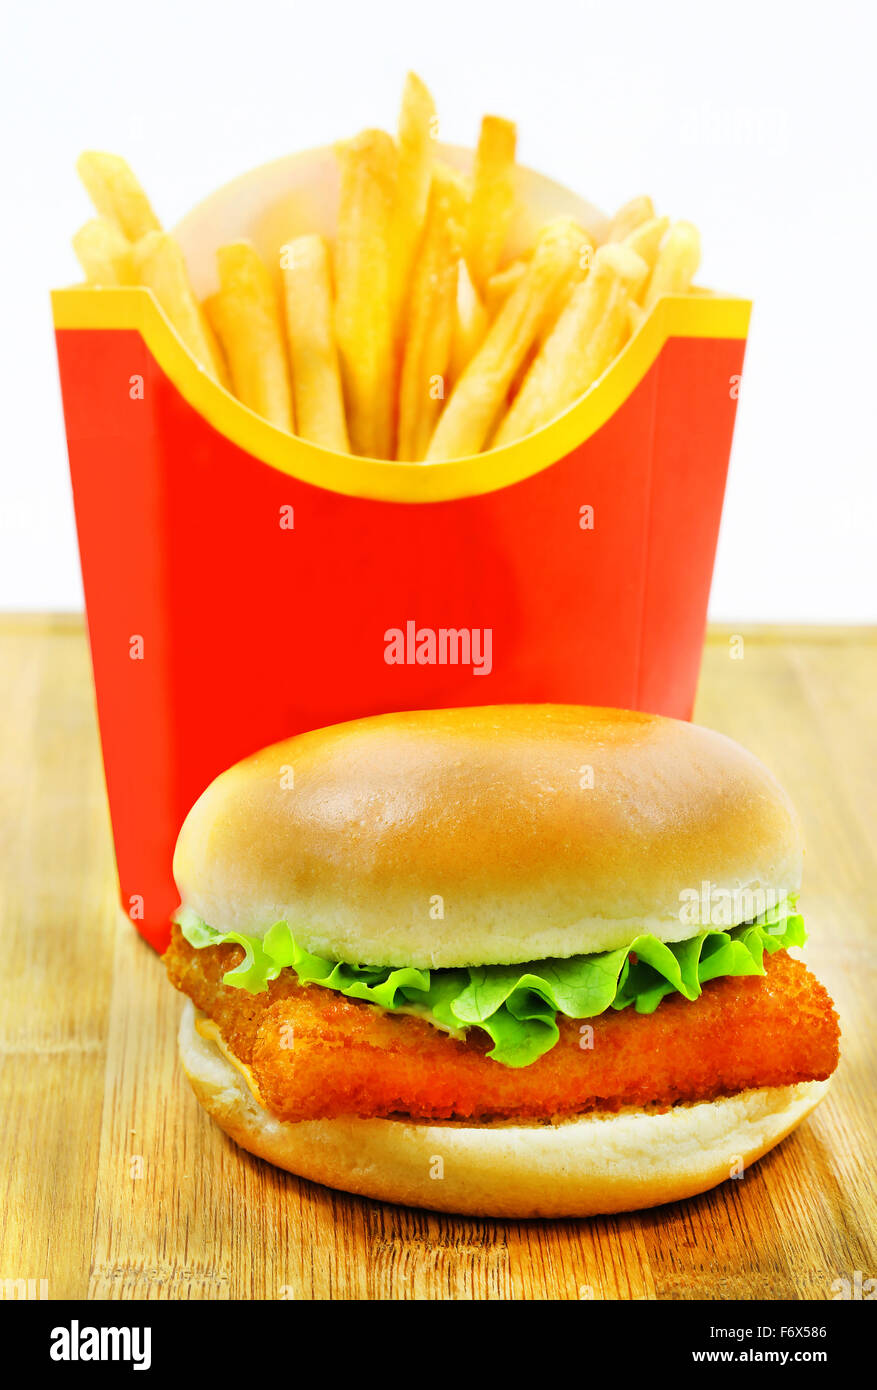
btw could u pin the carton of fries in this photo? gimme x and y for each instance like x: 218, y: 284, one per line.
x: 244, y: 583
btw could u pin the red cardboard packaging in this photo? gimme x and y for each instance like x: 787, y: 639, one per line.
x: 243, y: 585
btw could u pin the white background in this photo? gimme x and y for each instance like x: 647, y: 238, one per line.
x: 756, y: 120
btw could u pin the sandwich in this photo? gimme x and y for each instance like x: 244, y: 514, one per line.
x: 516, y: 961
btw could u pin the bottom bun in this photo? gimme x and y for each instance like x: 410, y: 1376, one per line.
x: 586, y: 1166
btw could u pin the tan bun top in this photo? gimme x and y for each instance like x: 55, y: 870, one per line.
x: 492, y: 835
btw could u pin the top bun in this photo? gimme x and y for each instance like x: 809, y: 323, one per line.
x: 489, y: 836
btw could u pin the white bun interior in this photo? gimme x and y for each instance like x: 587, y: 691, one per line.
x: 584, y: 1167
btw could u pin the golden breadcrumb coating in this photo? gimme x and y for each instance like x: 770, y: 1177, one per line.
x: 315, y: 1054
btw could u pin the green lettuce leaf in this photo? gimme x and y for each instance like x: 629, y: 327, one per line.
x: 517, y: 1005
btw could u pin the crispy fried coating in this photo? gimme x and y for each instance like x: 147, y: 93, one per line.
x: 316, y: 1055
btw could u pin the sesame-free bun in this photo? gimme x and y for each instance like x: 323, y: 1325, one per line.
x: 588, y: 1166
x: 487, y: 836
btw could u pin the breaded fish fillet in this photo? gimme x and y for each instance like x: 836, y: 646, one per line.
x: 314, y: 1054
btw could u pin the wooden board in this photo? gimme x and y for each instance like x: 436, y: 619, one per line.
x: 118, y: 1185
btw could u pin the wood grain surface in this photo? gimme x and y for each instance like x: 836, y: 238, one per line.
x: 116, y: 1183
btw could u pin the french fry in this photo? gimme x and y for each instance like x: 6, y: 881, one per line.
x: 421, y: 309
x: 316, y: 376
x: 160, y: 266
x: 646, y: 239
x: 479, y: 395
x: 636, y: 316
x: 415, y: 140
x: 500, y: 286
x: 463, y: 184
x: 470, y: 323
x: 104, y: 253
x: 676, y: 265
x: 113, y: 188
x: 364, y: 321
x: 629, y: 217
x: 588, y: 334
x: 245, y: 317
x: 493, y: 198
x: 431, y: 316
x: 564, y: 290
x: 556, y: 307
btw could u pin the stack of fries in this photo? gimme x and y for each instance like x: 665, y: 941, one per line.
x: 414, y: 336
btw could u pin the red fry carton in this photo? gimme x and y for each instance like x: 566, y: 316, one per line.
x: 243, y: 585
